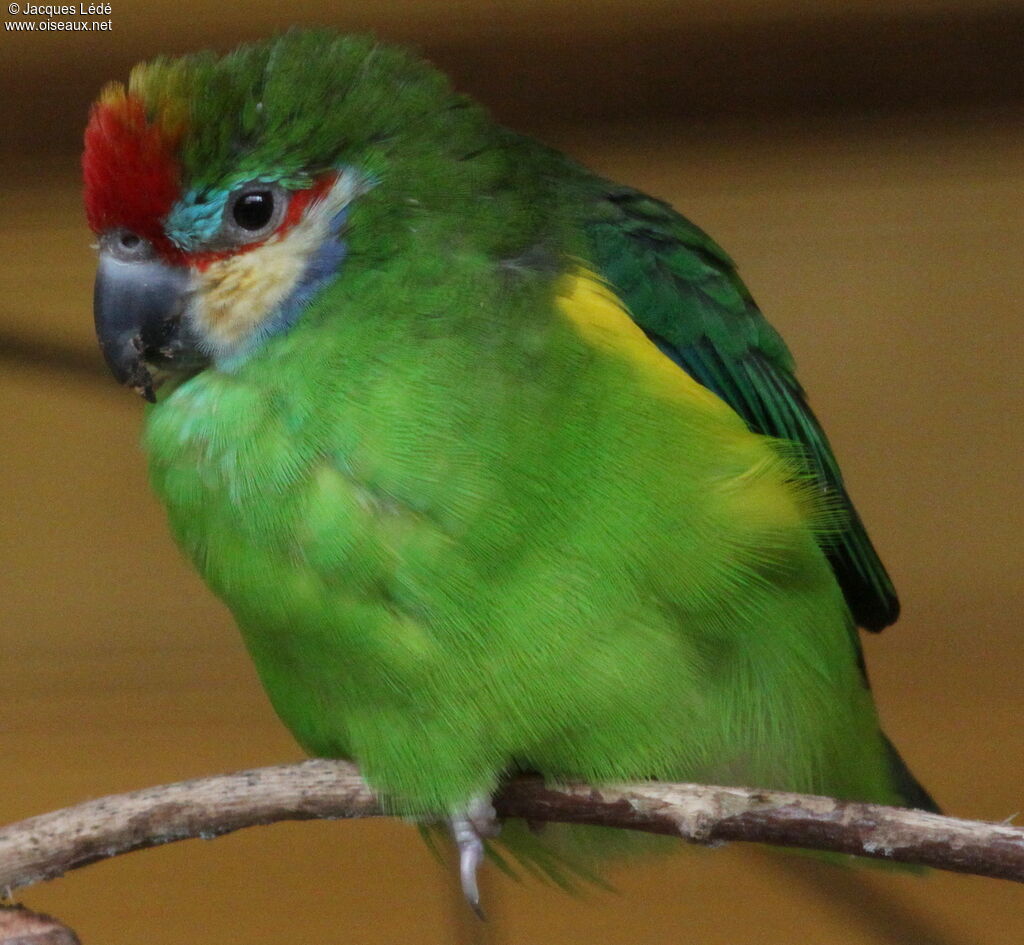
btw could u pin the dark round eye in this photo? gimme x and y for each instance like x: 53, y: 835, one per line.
x: 254, y: 210
x: 252, y: 213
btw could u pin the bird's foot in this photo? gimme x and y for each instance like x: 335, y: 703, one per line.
x: 469, y: 828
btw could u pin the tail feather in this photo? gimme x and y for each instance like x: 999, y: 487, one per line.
x: 910, y: 789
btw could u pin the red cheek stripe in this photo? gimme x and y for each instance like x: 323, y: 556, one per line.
x: 297, y: 205
x: 301, y: 199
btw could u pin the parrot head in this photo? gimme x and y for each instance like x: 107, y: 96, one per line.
x: 221, y: 188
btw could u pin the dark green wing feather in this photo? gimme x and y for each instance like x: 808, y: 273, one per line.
x: 683, y: 290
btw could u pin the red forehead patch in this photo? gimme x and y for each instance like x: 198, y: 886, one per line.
x: 131, y: 174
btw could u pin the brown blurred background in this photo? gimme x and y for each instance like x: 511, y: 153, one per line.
x: 865, y: 166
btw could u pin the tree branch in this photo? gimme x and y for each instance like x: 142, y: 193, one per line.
x: 50, y: 845
x: 18, y: 926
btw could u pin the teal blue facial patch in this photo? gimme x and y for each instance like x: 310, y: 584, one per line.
x: 195, y: 219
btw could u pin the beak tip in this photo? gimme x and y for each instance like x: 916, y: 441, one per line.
x: 140, y: 380
x: 135, y: 305
x: 145, y: 391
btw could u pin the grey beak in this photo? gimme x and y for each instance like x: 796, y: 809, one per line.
x: 137, y: 303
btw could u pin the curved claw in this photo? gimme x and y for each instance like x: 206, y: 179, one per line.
x: 468, y: 831
x: 471, y: 855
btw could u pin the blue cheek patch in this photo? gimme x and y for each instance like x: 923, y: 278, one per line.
x: 321, y: 269
x: 195, y: 219
x: 323, y: 266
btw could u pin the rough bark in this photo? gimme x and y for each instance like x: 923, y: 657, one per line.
x: 50, y: 845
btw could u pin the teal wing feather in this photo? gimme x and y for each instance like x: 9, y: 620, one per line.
x: 683, y: 291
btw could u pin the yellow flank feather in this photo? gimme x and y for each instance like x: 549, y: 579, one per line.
x: 602, y: 319
x: 776, y: 491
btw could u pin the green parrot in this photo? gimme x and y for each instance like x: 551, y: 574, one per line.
x: 496, y: 463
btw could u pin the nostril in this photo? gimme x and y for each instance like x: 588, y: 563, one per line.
x: 126, y: 245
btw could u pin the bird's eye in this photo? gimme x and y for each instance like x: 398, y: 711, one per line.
x: 254, y: 211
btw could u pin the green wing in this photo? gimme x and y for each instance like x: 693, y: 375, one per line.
x: 683, y: 291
